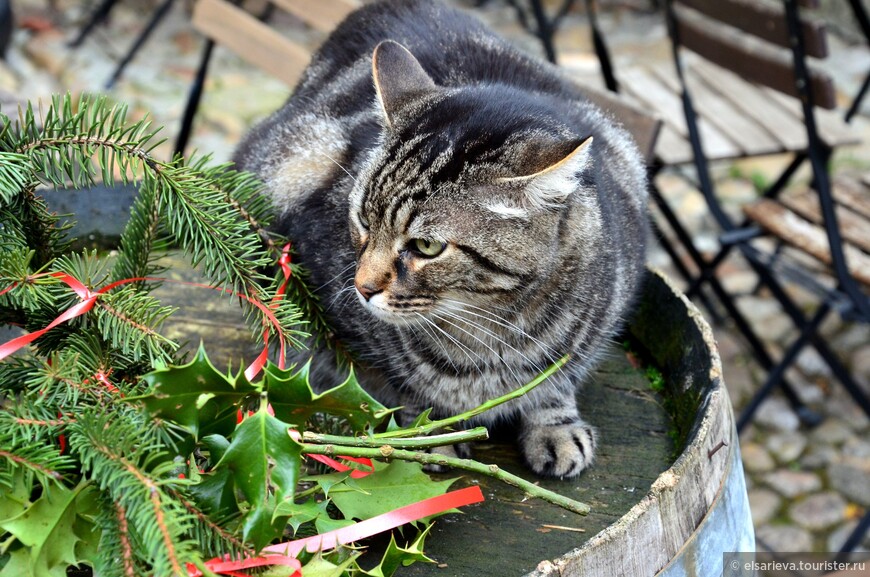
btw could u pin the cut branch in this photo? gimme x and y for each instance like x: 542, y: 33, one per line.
x: 386, y: 453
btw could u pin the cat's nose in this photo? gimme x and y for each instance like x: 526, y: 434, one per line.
x: 367, y: 290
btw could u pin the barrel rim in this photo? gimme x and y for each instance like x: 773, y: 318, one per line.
x: 714, y: 406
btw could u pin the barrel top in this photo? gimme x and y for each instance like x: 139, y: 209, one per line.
x: 637, y: 467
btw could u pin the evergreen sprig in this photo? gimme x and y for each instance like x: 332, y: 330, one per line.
x: 62, y: 415
x: 136, y: 475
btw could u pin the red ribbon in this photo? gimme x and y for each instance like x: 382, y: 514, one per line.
x: 255, y: 367
x: 285, y: 553
x: 341, y: 467
x: 232, y: 568
x: 381, y: 523
x: 337, y: 465
x: 90, y: 298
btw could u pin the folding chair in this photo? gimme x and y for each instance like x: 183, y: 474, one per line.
x: 712, y: 113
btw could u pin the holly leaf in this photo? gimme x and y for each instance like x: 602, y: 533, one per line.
x: 396, y: 556
x: 391, y: 486
x: 264, y: 463
x: 329, y: 480
x: 215, y: 492
x: 327, y: 524
x: 46, y: 529
x: 320, y: 567
x: 18, y: 565
x: 15, y: 501
x: 300, y: 513
x: 196, y: 396
x: 294, y: 401
x: 85, y: 526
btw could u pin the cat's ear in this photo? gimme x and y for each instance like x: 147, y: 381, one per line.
x: 554, y: 184
x: 399, y: 77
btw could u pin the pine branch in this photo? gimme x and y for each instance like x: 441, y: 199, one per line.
x: 117, y: 542
x: 43, y: 459
x: 127, y: 560
x: 213, y: 539
x: 15, y: 174
x: 130, y: 469
x: 140, y: 239
x: 74, y: 144
x: 129, y: 320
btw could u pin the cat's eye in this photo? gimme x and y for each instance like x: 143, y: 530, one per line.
x: 427, y: 248
x: 363, y: 221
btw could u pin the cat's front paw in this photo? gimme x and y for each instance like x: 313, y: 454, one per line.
x: 559, y: 450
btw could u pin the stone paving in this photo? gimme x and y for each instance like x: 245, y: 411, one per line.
x: 807, y: 488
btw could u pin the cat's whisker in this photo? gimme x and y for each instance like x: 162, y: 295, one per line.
x: 462, y: 347
x: 338, y: 164
x: 343, y: 295
x: 537, y: 365
x: 485, y: 344
x: 336, y: 277
x: 419, y: 322
x: 460, y: 307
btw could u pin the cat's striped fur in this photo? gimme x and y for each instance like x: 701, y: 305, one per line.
x: 467, y: 216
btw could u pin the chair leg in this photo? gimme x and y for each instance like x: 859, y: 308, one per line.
x: 864, y: 22
x: 99, y: 14
x: 158, y: 15
x: 697, y: 258
x: 797, y: 317
x: 545, y: 30
x: 776, y: 375
x: 193, y: 99
x: 854, y: 538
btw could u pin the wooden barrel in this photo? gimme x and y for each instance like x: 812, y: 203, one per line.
x: 667, y: 490
x: 698, y: 508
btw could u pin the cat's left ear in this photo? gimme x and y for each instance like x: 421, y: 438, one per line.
x: 553, y: 185
x: 399, y: 77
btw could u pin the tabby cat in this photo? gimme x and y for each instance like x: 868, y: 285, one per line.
x: 467, y: 216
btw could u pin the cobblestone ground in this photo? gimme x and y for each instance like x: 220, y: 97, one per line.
x: 807, y: 487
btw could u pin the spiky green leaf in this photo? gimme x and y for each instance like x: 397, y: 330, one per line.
x: 294, y: 401
x: 265, y: 463
x: 196, y: 396
x: 391, y: 486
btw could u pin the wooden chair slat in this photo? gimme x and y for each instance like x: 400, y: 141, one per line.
x: 754, y: 103
x: 323, y: 15
x: 832, y: 128
x: 754, y: 60
x: 671, y: 148
x: 648, y: 89
x: 747, y: 136
x: 253, y: 41
x: 854, y: 227
x: 806, y: 236
x: 854, y: 194
x: 766, y: 21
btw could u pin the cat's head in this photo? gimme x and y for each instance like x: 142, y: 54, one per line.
x: 472, y: 196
